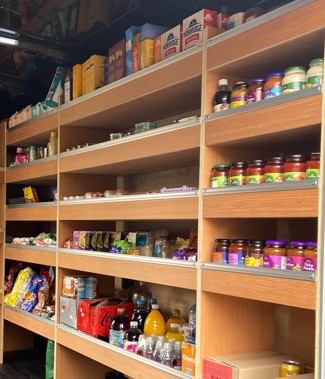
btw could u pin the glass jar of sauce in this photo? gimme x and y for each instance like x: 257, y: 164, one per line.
x: 294, y: 79
x: 310, y: 257
x: 219, y: 175
x: 220, y: 251
x: 295, y: 252
x: 315, y: 73
x: 254, y: 253
x: 274, y: 170
x: 255, y: 173
x: 255, y: 90
x: 313, y: 166
x: 273, y: 85
x: 237, y: 252
x: 295, y: 167
x: 275, y: 254
x: 237, y: 174
x: 239, y: 95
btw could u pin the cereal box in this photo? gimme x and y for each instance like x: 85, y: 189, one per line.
x: 172, y: 42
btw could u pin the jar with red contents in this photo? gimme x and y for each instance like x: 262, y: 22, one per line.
x: 237, y: 252
x: 237, y: 174
x: 295, y: 167
x: 220, y: 251
x: 295, y: 255
x: 219, y: 175
x: 313, y: 167
x: 274, y: 170
x: 255, y: 173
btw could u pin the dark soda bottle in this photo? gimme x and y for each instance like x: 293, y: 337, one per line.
x: 119, y: 325
x: 131, y: 337
x: 140, y: 314
x: 222, y: 98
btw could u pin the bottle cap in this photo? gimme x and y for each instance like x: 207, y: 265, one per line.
x: 223, y: 82
x: 19, y: 150
x: 174, y: 325
x: 134, y: 324
x: 53, y: 134
x: 140, y: 302
x: 155, y: 306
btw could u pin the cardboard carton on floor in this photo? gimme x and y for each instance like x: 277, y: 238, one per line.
x: 254, y: 365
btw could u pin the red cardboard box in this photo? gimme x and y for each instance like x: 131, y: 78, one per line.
x: 95, y: 316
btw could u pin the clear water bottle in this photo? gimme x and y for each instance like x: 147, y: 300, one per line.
x: 167, y: 357
x: 192, y: 322
x: 141, y: 292
x: 159, y: 348
x: 150, y: 346
x: 177, y: 356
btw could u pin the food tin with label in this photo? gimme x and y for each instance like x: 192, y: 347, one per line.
x: 254, y: 254
x: 294, y: 79
x: 310, y: 257
x: 313, y: 166
x: 275, y: 254
x: 290, y: 368
x: 295, y: 167
x: 273, y: 85
x: 237, y: 174
x: 219, y: 175
x: 220, y: 251
x: 255, y: 90
x: 255, y: 173
x: 239, y: 95
x: 237, y: 252
x: 274, y: 170
x: 295, y: 255
x: 315, y: 72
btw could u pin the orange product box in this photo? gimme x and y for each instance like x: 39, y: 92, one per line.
x: 188, y: 357
x: 95, y: 75
x: 84, y: 77
x: 76, y: 81
x: 146, y: 59
x: 172, y: 42
x: 136, y: 53
x: 157, y: 51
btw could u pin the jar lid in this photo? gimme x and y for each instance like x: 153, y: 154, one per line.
x: 295, y: 68
x: 311, y: 244
x: 222, y: 166
x: 315, y: 153
x: 19, y: 150
x: 296, y: 156
x: 276, y: 242
x: 223, y: 82
x: 257, y: 242
x: 238, y: 241
x: 133, y: 324
x: 316, y: 60
x: 297, y: 243
x: 257, y: 161
x: 239, y: 164
x: 277, y: 73
x: 220, y: 240
x: 256, y: 80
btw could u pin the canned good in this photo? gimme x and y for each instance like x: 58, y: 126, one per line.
x: 290, y: 368
x: 219, y: 175
x: 295, y: 167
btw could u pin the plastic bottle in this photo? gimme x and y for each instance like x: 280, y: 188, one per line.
x: 53, y: 144
x: 222, y: 98
x: 131, y: 337
x: 192, y: 321
x: 150, y: 303
x: 32, y: 154
x: 177, y: 356
x: 167, y: 357
x: 174, y: 333
x: 140, y: 314
x: 119, y: 325
x: 141, y: 292
x: 20, y: 156
x: 155, y: 322
x: 159, y: 348
x: 150, y: 347
x: 176, y: 318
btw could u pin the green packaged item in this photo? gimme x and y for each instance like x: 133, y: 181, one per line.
x: 144, y: 126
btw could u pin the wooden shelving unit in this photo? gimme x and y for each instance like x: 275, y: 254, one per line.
x: 239, y: 309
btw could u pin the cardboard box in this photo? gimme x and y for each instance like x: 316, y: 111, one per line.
x: 116, y: 61
x: 95, y: 73
x: 136, y: 53
x: 146, y: 53
x: 172, y: 42
x: 254, y: 365
x: 76, y: 81
x: 69, y: 311
x: 188, y: 357
x: 157, y: 49
x: 194, y: 25
x: 129, y: 33
x: 95, y: 316
x: 151, y: 31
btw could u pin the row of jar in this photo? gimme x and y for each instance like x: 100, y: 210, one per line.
x: 275, y: 254
x: 292, y: 79
x: 273, y: 170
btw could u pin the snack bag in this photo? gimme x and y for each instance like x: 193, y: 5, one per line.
x: 24, y: 277
x: 29, y: 298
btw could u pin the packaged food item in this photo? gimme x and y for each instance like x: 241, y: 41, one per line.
x: 29, y: 297
x: 219, y: 175
x: 273, y: 85
x: 255, y: 90
x: 313, y: 167
x: 76, y: 81
x: 290, y: 368
x: 255, y: 172
x: 237, y: 252
x: 274, y: 170
x: 220, y: 251
x: 175, y: 318
x: 295, y: 255
x: 14, y: 298
x: 129, y: 33
x: 275, y: 254
x: 295, y: 167
x: 222, y: 98
x: 157, y: 49
x: 55, y: 92
x: 315, y: 72
x: 254, y: 253
x: 136, y: 52
x: 239, y: 94
x: 235, y: 20
x: 294, y: 79
x: 119, y: 326
x: 74, y: 286
x: 171, y: 41
x: 144, y: 126
x: 222, y: 21
x: 12, y: 274
x: 237, y: 174
x: 30, y: 195
x: 310, y: 257
x: 155, y: 322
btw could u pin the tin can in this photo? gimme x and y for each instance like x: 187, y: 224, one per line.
x: 290, y: 368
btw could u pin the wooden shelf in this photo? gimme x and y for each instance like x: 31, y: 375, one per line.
x: 32, y: 212
x: 2, y: 177
x: 112, y: 356
x: 166, y: 147
x: 161, y: 90
x: 172, y: 273
x: 289, y: 292
x: 142, y: 207
x: 273, y: 123
x: 31, y: 254
x: 33, y: 132
x: 40, y: 171
x: 35, y: 324
x: 2, y: 237
x: 278, y: 43
x: 266, y: 204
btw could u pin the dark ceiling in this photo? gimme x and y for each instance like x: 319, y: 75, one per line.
x: 52, y: 32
